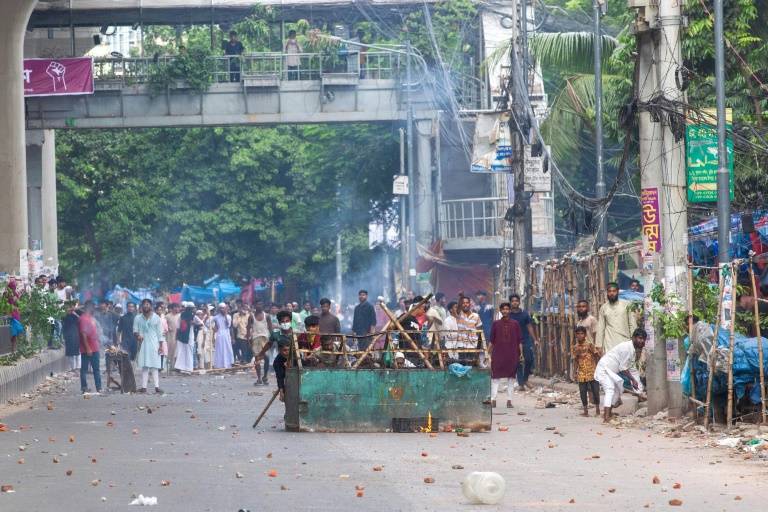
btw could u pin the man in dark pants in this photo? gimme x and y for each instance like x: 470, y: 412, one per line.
x: 363, y: 320
x: 529, y: 340
x: 280, y: 363
x: 127, y: 340
x: 89, y: 348
x: 233, y: 49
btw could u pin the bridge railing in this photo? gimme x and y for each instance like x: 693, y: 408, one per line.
x: 235, y: 68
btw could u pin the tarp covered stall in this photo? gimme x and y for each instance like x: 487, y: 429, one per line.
x: 749, y: 232
x: 746, y: 367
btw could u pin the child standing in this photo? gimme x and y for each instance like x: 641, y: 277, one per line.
x: 585, y: 357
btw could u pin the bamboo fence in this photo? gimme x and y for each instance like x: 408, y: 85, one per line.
x: 556, y: 287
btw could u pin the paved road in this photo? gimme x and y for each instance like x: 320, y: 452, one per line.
x: 182, y: 441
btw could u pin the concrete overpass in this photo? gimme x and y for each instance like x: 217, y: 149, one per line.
x: 264, y: 94
x: 470, y: 217
x: 76, y: 13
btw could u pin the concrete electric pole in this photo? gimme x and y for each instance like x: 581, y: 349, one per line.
x: 723, y: 177
x: 598, y: 10
x: 518, y: 128
x: 673, y: 199
x: 663, y: 180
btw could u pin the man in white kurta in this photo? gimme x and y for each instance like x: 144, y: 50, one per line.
x: 615, y: 363
x: 148, y: 330
x: 615, y: 322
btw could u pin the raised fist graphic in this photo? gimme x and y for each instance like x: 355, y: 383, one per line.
x: 56, y: 71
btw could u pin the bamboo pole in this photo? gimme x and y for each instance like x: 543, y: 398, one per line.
x: 712, y: 351
x: 436, y: 341
x: 561, y: 320
x: 615, y: 270
x: 485, y: 351
x: 690, y: 338
x: 571, y: 317
x: 407, y: 336
x: 344, y: 350
x: 297, y: 351
x: 731, y: 343
x: 759, y: 341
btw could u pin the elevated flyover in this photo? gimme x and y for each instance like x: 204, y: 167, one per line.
x: 76, y: 13
x: 262, y: 92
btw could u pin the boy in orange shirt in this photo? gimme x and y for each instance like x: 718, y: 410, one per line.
x: 585, y: 356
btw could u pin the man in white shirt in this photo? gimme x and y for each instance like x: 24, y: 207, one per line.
x: 615, y: 363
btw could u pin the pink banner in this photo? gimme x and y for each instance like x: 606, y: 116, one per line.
x: 58, y: 77
x: 651, y: 220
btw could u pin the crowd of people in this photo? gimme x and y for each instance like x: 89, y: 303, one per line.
x: 184, y: 337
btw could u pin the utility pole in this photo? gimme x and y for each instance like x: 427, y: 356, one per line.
x: 339, y: 283
x: 662, y: 167
x: 404, y: 262
x: 723, y: 178
x: 339, y: 295
x: 598, y: 8
x: 411, y: 182
x: 518, y: 127
x: 673, y: 199
x: 649, y: 134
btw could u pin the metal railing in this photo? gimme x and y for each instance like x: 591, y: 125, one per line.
x: 472, y: 218
x: 467, y: 89
x: 236, y: 68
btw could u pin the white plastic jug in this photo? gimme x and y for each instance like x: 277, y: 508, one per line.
x: 484, y: 487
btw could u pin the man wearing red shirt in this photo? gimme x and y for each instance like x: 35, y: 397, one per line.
x: 89, y: 348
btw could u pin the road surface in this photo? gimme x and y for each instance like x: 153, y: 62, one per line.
x: 198, y: 438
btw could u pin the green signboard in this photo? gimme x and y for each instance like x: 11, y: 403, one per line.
x: 701, y: 162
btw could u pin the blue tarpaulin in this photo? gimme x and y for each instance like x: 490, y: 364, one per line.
x: 123, y: 296
x: 746, y: 368
x: 214, y: 292
x: 703, y: 248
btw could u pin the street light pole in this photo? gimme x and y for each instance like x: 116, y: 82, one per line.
x: 411, y: 195
x: 597, y: 7
x: 723, y: 177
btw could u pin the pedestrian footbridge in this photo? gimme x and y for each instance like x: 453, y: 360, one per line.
x: 257, y: 89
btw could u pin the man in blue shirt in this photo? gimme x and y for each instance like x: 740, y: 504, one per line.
x: 529, y: 339
x: 485, y: 312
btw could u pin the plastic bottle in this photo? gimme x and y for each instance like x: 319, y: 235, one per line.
x: 484, y: 487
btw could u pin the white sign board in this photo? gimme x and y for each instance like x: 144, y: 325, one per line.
x: 543, y: 221
x: 534, y: 178
x: 400, y: 185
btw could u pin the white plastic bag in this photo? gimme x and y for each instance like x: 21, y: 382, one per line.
x: 144, y: 500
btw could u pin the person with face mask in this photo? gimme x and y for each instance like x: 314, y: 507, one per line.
x: 282, y: 335
x: 148, y: 331
x: 615, y: 323
x: 223, y: 356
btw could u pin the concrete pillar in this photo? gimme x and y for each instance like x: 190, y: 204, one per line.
x: 41, y: 194
x: 13, y: 192
x: 425, y: 197
x: 34, y: 159
x: 48, y: 200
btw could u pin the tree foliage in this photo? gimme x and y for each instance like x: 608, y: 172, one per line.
x: 569, y: 128
x: 165, y: 206
x: 746, y: 65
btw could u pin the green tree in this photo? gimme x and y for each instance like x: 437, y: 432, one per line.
x: 170, y: 205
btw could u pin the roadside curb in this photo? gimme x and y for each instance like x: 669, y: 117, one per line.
x: 24, y: 375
